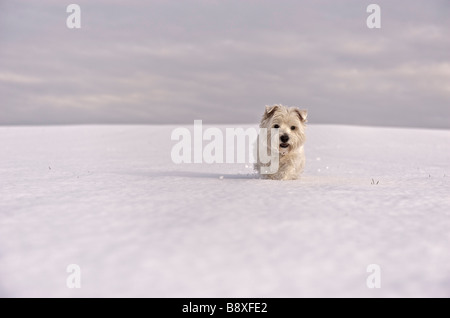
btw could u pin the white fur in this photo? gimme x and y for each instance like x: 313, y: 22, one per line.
x: 292, y: 158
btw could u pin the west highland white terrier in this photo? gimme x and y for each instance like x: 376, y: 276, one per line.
x: 290, y: 123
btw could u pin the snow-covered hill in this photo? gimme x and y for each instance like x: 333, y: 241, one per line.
x: 110, y: 199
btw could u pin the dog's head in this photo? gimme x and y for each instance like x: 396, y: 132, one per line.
x: 290, y: 122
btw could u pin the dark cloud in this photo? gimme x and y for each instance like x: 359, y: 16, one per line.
x: 221, y: 61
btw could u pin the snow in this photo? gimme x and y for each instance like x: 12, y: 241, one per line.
x: 110, y: 199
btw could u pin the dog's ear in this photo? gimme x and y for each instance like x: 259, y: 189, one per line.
x: 270, y: 110
x: 302, y: 114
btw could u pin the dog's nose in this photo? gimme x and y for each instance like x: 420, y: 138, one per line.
x: 284, y: 138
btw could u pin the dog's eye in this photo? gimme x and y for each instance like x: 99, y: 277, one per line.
x: 292, y: 127
x: 276, y: 126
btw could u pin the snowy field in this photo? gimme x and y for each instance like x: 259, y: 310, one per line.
x: 109, y: 199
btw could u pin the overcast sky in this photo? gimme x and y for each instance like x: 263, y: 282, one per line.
x: 170, y: 62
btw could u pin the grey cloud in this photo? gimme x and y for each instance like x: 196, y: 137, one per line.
x: 173, y: 62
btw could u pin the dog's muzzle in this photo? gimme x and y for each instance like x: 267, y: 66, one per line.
x: 284, y: 139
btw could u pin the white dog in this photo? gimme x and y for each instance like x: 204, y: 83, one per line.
x: 291, y: 123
